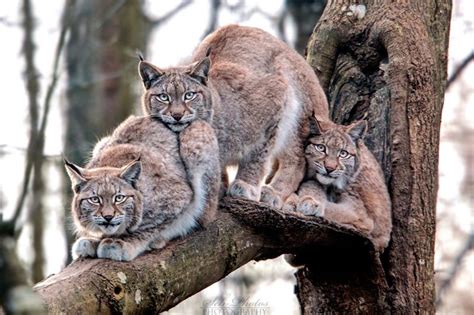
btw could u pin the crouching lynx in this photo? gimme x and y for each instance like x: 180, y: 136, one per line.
x: 258, y: 94
x: 143, y: 186
x: 344, y: 183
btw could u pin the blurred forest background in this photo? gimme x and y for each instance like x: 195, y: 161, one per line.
x: 69, y: 77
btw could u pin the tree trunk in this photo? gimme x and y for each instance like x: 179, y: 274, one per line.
x: 385, y: 61
x: 101, y: 64
x: 34, y: 158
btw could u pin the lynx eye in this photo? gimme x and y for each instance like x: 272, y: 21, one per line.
x: 163, y: 97
x: 94, y: 200
x: 119, y: 198
x: 189, y: 95
x: 320, y: 147
x: 343, y: 154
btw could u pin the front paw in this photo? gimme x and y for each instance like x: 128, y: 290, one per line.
x: 290, y: 203
x: 241, y: 189
x: 115, y: 249
x: 310, y: 206
x: 157, y: 244
x: 84, y: 247
x: 271, y: 197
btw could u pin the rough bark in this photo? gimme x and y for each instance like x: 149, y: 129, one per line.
x: 156, y: 281
x: 389, y: 67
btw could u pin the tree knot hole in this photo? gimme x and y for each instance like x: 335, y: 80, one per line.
x: 119, y: 292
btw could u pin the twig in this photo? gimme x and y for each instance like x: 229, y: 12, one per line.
x: 6, y: 22
x: 239, y: 5
x: 167, y: 16
x: 455, y: 267
x: 215, y: 5
x: 110, y: 13
x: 457, y: 72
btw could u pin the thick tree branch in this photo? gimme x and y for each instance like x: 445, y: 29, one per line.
x: 155, y: 282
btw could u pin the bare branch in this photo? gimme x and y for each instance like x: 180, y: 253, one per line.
x: 454, y: 269
x: 459, y: 69
x: 170, y: 14
x: 6, y: 22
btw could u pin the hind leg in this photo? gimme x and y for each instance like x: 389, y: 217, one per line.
x: 288, y: 176
x: 251, y: 173
x: 269, y: 97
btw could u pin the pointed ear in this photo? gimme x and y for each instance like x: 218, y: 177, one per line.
x: 76, y: 174
x: 314, y: 127
x: 357, y: 130
x: 201, y: 70
x: 149, y: 73
x: 131, y: 172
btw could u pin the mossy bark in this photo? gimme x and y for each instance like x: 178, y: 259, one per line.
x: 154, y: 282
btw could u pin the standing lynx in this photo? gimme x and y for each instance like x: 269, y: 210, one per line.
x: 143, y: 186
x: 258, y: 95
x: 344, y: 182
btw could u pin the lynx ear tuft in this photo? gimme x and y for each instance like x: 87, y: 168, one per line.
x: 76, y: 174
x: 201, y: 70
x: 149, y: 73
x: 131, y: 172
x: 357, y: 130
x: 139, y: 55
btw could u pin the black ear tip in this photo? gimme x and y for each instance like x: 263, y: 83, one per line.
x: 139, y: 55
x: 68, y: 164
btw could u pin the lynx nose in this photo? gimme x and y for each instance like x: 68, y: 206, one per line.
x: 330, y: 168
x: 177, y: 116
x: 108, y: 218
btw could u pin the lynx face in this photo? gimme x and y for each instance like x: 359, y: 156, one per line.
x: 177, y: 96
x: 332, y: 155
x: 106, y: 201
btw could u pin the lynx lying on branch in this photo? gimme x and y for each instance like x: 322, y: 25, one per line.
x: 258, y: 95
x: 143, y: 186
x: 344, y: 182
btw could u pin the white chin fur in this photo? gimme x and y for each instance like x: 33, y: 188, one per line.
x: 325, y: 180
x: 177, y: 128
x: 339, y: 182
x: 109, y: 230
